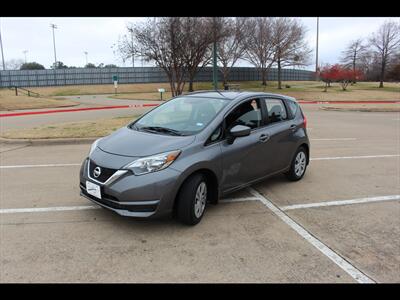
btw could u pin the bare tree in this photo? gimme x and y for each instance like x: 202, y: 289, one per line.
x: 198, y: 36
x: 260, y: 47
x: 368, y: 64
x: 125, y: 48
x: 290, y: 46
x: 230, y: 47
x: 394, y: 70
x: 385, y: 43
x: 352, y: 55
x: 162, y: 40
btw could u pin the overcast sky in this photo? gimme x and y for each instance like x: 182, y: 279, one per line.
x: 74, y: 36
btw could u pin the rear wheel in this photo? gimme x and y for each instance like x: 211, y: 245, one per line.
x: 298, y: 166
x: 192, y: 200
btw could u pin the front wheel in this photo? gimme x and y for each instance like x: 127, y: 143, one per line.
x: 192, y: 200
x: 298, y: 166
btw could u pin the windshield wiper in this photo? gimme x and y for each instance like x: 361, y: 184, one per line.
x: 160, y: 129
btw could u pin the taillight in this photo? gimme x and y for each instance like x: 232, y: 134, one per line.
x: 304, y: 121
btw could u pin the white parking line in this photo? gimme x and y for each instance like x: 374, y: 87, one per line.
x: 83, y: 207
x: 336, y: 258
x: 355, y: 157
x: 332, y: 255
x: 315, y: 158
x: 335, y: 139
x: 341, y: 202
x: 39, y: 166
x: 46, y: 209
x: 229, y: 200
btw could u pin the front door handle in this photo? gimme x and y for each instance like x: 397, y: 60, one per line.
x: 263, y: 138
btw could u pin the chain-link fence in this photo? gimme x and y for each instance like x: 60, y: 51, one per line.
x: 84, y: 76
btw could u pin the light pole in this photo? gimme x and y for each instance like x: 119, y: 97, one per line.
x: 54, y: 26
x: 2, y: 54
x: 215, y: 74
x: 25, y: 51
x: 316, y: 58
x: 86, y: 53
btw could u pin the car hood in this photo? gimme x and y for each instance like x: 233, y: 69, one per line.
x: 129, y: 142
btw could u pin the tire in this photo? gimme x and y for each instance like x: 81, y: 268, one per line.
x: 298, y: 165
x: 192, y: 200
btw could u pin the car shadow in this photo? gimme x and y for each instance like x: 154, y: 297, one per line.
x: 168, y: 222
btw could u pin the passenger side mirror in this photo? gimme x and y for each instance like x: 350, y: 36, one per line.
x: 238, y: 131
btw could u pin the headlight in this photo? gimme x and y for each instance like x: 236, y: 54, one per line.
x: 94, y: 145
x: 152, y: 163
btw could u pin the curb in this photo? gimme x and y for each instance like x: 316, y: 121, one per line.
x: 357, y: 109
x: 51, y: 111
x: 42, y: 142
x: 349, y: 102
x: 30, y: 109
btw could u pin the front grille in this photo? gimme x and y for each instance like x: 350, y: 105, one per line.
x: 105, y: 172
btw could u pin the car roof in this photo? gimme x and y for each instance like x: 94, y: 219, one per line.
x: 234, y: 95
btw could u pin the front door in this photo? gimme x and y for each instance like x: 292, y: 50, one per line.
x: 243, y: 160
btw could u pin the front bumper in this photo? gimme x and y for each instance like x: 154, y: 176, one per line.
x: 144, y: 209
x: 143, y: 196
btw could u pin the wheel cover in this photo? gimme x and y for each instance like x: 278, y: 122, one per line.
x: 200, y: 199
x: 300, y: 164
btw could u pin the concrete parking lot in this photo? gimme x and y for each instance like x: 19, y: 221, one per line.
x: 276, y: 231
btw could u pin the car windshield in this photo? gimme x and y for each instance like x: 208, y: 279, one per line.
x: 180, y: 116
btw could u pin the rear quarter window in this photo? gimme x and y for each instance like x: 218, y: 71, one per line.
x: 293, y: 107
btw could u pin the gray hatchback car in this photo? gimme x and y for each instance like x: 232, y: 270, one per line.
x: 193, y: 150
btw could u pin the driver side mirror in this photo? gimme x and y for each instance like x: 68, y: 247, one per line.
x: 238, y: 131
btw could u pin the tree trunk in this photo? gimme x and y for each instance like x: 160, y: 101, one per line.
x: 225, y: 76
x: 191, y: 85
x: 354, y: 69
x: 264, y: 76
x: 279, y: 75
x: 344, y: 84
x: 192, y: 74
x: 171, y: 84
x: 225, y: 73
x: 382, y: 76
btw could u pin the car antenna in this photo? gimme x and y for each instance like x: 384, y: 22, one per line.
x: 220, y: 93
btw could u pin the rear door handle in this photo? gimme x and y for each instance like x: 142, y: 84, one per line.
x: 293, y: 127
x: 263, y: 138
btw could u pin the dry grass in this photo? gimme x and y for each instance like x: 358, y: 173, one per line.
x: 8, y: 101
x: 142, y: 96
x: 295, y: 86
x: 84, y: 129
x: 99, y: 89
x: 301, y: 90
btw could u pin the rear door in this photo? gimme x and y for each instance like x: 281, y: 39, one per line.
x: 280, y: 128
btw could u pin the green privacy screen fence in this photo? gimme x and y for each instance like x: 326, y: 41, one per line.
x: 83, y: 76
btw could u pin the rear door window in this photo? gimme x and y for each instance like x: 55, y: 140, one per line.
x: 276, y: 110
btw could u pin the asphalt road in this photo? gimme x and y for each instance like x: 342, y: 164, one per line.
x: 273, y: 237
